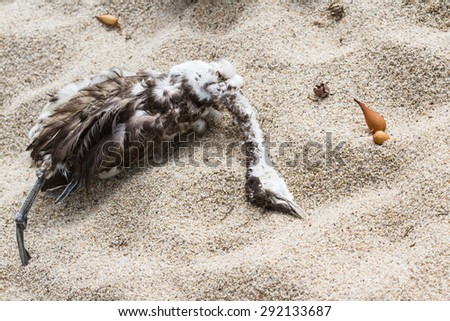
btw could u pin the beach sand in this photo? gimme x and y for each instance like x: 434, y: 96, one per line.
x: 379, y: 215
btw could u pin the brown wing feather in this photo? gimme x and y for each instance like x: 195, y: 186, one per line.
x: 107, y: 125
x: 77, y: 131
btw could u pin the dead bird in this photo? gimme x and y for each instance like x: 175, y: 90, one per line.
x: 99, y: 126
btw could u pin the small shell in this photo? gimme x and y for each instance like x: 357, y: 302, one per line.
x: 380, y: 137
x: 108, y: 19
x: 374, y: 121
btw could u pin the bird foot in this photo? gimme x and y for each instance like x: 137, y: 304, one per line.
x: 20, y: 227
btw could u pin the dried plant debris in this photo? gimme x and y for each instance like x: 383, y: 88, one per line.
x: 380, y: 137
x: 336, y: 10
x: 110, y: 20
x: 322, y: 90
x: 374, y: 120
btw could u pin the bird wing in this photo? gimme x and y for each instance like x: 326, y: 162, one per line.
x: 87, y: 134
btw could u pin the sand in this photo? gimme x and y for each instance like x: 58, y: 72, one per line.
x: 379, y: 215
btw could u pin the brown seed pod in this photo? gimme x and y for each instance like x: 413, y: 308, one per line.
x: 336, y: 10
x: 322, y: 90
x: 374, y: 121
x: 109, y: 20
x: 380, y: 137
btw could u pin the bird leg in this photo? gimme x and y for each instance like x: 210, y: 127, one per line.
x: 22, y: 216
x: 264, y: 186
